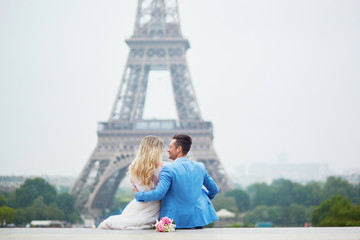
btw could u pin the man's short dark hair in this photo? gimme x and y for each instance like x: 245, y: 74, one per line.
x: 184, y: 141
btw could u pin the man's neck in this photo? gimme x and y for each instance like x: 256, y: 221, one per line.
x: 182, y: 156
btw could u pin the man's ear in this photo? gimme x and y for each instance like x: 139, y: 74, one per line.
x: 179, y: 148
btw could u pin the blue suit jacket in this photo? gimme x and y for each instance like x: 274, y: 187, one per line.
x: 182, y: 196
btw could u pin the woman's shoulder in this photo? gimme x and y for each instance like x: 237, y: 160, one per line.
x: 158, y: 170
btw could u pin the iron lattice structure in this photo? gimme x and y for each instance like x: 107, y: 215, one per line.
x: 157, y: 44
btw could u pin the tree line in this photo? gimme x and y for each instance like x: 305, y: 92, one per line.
x: 36, y: 199
x: 283, y: 202
x: 286, y: 203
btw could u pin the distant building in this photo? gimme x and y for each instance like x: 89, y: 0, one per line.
x: 352, y: 176
x: 226, y: 218
x: 47, y: 224
x: 9, y: 183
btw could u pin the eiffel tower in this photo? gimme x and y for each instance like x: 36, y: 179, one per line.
x: 157, y: 44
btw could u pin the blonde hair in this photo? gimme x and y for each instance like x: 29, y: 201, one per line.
x: 147, y: 160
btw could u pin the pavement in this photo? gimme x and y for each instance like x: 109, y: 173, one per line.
x: 348, y: 233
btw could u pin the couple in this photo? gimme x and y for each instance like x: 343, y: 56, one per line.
x: 178, y: 185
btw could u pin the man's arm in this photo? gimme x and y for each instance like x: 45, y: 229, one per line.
x: 210, y: 185
x: 160, y: 191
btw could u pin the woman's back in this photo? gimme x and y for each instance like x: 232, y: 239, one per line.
x: 154, y: 180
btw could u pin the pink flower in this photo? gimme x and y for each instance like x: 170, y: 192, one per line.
x: 165, y: 220
x: 165, y: 225
x: 160, y: 226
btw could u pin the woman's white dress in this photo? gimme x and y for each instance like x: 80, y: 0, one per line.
x: 136, y: 215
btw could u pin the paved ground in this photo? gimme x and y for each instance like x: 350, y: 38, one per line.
x: 209, y: 233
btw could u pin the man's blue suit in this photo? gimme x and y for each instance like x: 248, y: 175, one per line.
x: 182, y: 197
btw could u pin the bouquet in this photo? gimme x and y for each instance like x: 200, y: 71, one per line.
x: 165, y: 225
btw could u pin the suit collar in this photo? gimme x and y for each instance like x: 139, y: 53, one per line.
x: 181, y: 159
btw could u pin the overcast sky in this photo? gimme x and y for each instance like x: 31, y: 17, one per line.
x: 276, y: 78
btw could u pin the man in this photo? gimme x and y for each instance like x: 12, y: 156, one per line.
x: 180, y: 188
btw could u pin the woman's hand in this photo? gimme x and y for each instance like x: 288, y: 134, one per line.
x: 135, y: 190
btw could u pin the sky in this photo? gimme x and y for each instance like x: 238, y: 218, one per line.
x: 279, y: 79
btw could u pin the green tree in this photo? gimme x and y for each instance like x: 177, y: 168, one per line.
x: 3, y: 201
x: 272, y: 214
x: 66, y: 203
x: 296, y: 215
x: 337, y: 186
x: 261, y: 194
x: 31, y: 189
x: 47, y: 212
x: 24, y: 215
x: 275, y: 215
x: 263, y: 214
x: 53, y: 212
x: 313, y: 194
x: 284, y: 192
x: 293, y: 216
x: 242, y: 199
x: 7, y: 215
x: 337, y: 211
x: 357, y: 189
x: 11, y: 199
x: 40, y: 208
x: 39, y: 211
x: 37, y: 200
x: 287, y: 192
x: 223, y: 202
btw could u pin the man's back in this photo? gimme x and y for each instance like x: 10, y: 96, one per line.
x: 181, y: 194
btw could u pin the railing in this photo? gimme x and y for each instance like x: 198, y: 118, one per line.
x: 153, y: 125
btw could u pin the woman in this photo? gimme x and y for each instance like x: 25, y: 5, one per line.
x: 144, y: 174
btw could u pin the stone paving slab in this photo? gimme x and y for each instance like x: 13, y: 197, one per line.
x: 351, y: 233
